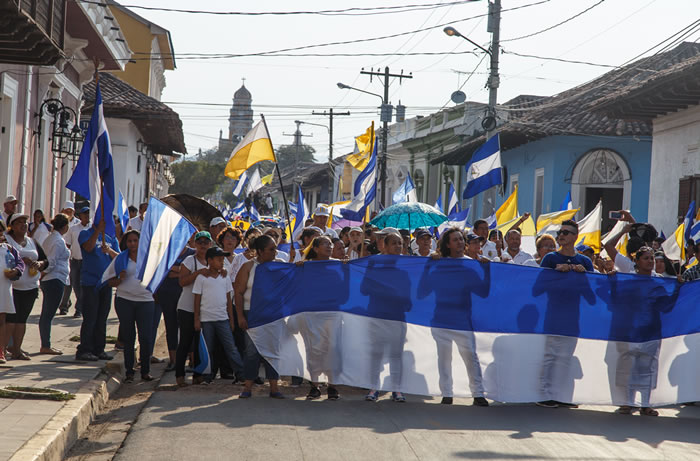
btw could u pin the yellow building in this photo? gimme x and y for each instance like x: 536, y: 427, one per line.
x: 152, y: 49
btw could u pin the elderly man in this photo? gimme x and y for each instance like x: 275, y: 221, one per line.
x: 321, y: 215
x: 9, y: 207
x: 513, y: 253
x: 216, y: 225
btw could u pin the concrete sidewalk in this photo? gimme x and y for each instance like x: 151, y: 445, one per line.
x: 41, y: 429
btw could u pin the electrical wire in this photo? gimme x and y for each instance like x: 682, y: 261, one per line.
x: 555, y: 25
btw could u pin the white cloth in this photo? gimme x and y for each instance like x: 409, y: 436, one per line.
x: 331, y: 233
x: 213, y: 290
x: 131, y: 288
x: 136, y: 223
x: 249, y: 286
x: 41, y: 233
x: 238, y: 261
x: 522, y: 258
x: 74, y: 221
x: 228, y: 265
x: 71, y: 239
x: 7, y: 304
x: 30, y: 278
x: 282, y: 255
x: 58, y: 255
x: 186, y: 301
x: 489, y: 251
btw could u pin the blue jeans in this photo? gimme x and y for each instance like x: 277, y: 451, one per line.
x: 133, y: 315
x: 251, y: 363
x: 52, y: 293
x: 221, y: 331
x: 96, y: 304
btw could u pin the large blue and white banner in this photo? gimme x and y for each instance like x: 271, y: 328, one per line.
x: 463, y: 328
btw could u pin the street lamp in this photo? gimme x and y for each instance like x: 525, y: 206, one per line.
x: 343, y: 86
x: 65, y: 141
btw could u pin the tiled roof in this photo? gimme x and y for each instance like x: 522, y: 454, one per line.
x: 573, y: 112
x: 159, y: 125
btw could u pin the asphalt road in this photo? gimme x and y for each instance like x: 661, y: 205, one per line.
x: 210, y: 422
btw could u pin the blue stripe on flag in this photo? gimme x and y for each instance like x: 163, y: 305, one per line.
x: 204, y: 365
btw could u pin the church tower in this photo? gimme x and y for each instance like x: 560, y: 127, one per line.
x: 240, y: 120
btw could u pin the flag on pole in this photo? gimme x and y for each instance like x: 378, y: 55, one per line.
x: 254, y: 183
x: 457, y: 219
x: 509, y: 210
x: 452, y: 200
x: 253, y: 148
x: 164, y: 234
x: 267, y: 179
x: 688, y: 221
x: 589, y: 228
x: 492, y: 221
x: 238, y: 208
x: 403, y: 193
x: 204, y: 365
x: 621, y: 245
x: 115, y: 267
x: 252, y: 213
x: 364, y: 190
x: 363, y: 150
x: 567, y: 204
x: 300, y: 216
x: 123, y: 212
x: 674, y: 246
x: 438, y: 203
x: 93, y: 177
x: 484, y: 169
x: 549, y: 223
x: 240, y: 184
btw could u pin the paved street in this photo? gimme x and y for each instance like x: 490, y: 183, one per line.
x: 210, y: 422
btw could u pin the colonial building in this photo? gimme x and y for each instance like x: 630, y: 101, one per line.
x: 240, y: 120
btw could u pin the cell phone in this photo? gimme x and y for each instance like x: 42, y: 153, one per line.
x: 615, y: 215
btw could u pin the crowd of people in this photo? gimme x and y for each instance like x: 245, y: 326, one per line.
x: 207, y: 292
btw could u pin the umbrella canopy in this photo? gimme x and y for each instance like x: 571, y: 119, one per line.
x: 409, y: 215
x: 199, y: 212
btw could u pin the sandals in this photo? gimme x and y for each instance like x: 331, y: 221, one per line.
x: 50, y: 351
x: 646, y: 411
x: 276, y: 395
x: 21, y: 356
x: 624, y: 410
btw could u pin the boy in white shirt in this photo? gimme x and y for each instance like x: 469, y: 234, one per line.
x: 213, y: 309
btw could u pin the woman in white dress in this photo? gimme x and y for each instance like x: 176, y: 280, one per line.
x: 12, y: 267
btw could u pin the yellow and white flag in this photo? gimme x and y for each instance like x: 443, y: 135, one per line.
x: 253, y: 148
x: 527, y: 233
x: 363, y: 149
x: 509, y: 210
x: 589, y: 228
x: 267, y: 179
x: 549, y: 223
x: 674, y: 246
x: 621, y: 246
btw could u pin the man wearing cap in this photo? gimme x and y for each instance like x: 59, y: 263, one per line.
x: 76, y: 260
x: 216, y: 225
x: 513, y: 253
x: 98, y: 250
x: 424, y: 242
x: 357, y: 237
x: 69, y: 210
x: 381, y: 235
x: 137, y: 222
x: 9, y: 207
x: 321, y: 215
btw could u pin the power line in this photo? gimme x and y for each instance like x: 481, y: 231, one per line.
x: 555, y: 25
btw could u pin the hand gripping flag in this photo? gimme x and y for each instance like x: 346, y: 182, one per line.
x: 253, y: 148
x: 484, y: 169
x: 164, y: 234
x: 93, y: 177
x: 123, y: 212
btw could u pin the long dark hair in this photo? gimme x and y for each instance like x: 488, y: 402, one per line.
x: 122, y: 242
x: 445, y: 241
x: 261, y: 242
x: 311, y: 255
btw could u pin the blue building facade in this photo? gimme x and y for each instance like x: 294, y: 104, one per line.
x: 614, y: 169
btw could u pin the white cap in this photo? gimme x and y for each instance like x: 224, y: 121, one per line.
x: 69, y: 205
x: 322, y: 210
x: 10, y: 198
x: 17, y: 216
x: 388, y: 230
x: 356, y: 229
x: 216, y: 221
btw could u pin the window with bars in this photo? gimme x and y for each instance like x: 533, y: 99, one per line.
x: 688, y: 190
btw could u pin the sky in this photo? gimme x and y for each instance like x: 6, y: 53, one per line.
x: 285, y: 89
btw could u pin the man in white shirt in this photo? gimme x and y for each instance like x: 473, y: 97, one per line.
x: 488, y: 248
x: 321, y: 215
x: 76, y: 259
x: 513, y: 253
x: 137, y: 222
x: 9, y: 207
x: 69, y: 210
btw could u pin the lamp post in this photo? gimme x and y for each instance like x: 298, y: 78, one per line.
x: 489, y: 122
x: 64, y: 141
x: 385, y: 118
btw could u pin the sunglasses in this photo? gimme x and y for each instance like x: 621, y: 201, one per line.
x: 565, y: 232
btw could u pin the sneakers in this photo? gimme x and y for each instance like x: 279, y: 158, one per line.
x: 333, y: 393
x: 481, y: 402
x: 314, y: 393
x: 129, y: 379
x: 372, y: 396
x: 398, y: 397
x: 547, y: 404
x: 87, y: 356
x: 146, y: 377
x: 3, y: 360
x: 105, y: 356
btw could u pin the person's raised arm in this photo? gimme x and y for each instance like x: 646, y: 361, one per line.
x: 186, y: 277
x: 612, y: 242
x: 90, y: 243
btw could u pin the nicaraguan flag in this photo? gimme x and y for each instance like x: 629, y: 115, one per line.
x: 238, y: 209
x: 254, y: 183
x: 116, y: 267
x: 567, y: 204
x: 492, y: 221
x: 438, y: 202
x: 403, y: 193
x: 301, y: 214
x: 123, y: 212
x: 240, y: 184
x: 458, y: 219
x: 204, y: 365
x: 252, y: 214
x: 93, y: 177
x: 452, y: 201
x: 695, y: 232
x: 688, y: 221
x: 364, y: 190
x: 484, y: 169
x: 164, y: 234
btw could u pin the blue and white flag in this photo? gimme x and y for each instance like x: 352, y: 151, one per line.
x: 116, y: 267
x: 292, y: 207
x: 438, y: 203
x: 364, y: 190
x: 301, y: 214
x: 252, y: 214
x: 695, y: 232
x: 567, y: 204
x: 688, y: 222
x: 123, y: 212
x: 254, y: 182
x: 93, y: 176
x: 240, y: 184
x: 484, y: 169
x: 458, y: 219
x: 406, y: 191
x: 492, y: 221
x: 164, y: 234
x: 625, y: 339
x: 204, y: 365
x: 452, y: 200
x: 238, y: 209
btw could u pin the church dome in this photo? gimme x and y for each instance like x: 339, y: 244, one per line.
x: 242, y: 93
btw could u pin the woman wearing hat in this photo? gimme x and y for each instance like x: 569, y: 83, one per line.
x: 25, y: 290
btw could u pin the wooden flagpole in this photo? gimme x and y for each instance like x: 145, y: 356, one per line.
x: 279, y: 176
x: 96, y: 61
x: 364, y: 215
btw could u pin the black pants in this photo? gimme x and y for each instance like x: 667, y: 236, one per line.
x: 188, y: 336
x: 96, y: 304
x: 168, y: 303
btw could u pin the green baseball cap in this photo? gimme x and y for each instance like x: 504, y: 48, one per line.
x: 202, y: 234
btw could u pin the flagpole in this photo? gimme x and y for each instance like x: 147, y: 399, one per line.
x: 279, y: 176
x: 96, y: 61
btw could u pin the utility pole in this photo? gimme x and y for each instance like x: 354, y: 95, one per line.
x: 331, y: 177
x: 297, y: 145
x: 494, y: 26
x: 386, y: 113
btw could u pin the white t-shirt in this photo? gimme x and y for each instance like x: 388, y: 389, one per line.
x: 624, y: 264
x: 522, y: 258
x: 186, y: 301
x: 136, y: 223
x: 214, y: 301
x: 131, y: 288
x: 7, y: 261
x: 40, y: 233
x: 228, y: 265
x: 71, y: 239
x: 489, y: 251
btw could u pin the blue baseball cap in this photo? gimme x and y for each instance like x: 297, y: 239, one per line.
x: 583, y: 248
